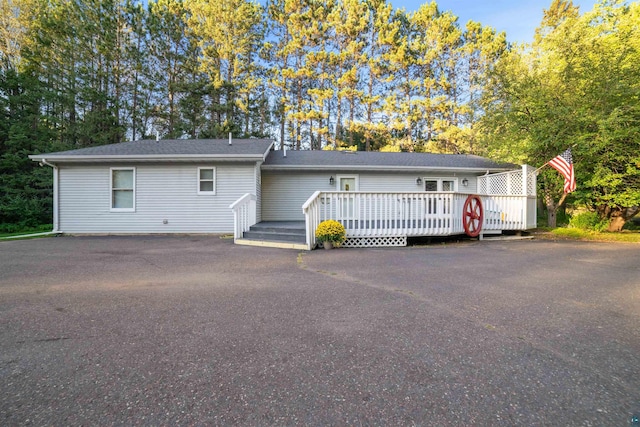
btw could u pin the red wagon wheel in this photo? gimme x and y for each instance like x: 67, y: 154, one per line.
x: 472, y: 216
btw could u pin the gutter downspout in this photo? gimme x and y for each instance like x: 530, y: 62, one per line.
x: 56, y: 216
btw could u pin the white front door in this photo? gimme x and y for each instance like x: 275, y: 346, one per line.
x: 347, y: 206
x: 443, y: 206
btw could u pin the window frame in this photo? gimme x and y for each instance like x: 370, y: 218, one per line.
x: 112, y: 189
x: 356, y: 179
x: 440, y: 181
x: 199, y: 180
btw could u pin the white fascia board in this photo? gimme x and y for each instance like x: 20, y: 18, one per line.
x: 381, y: 168
x: 152, y: 157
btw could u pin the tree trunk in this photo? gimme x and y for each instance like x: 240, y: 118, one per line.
x: 618, y: 216
x: 338, y: 122
x: 283, y: 119
x: 552, y: 207
x: 616, y: 223
x: 551, y: 217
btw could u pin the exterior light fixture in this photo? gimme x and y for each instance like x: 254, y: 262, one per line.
x: 331, y: 180
x: 465, y: 182
x: 419, y: 181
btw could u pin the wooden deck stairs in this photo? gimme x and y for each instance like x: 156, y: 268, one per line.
x: 276, y: 234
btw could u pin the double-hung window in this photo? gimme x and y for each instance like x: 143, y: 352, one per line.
x: 123, y: 189
x: 207, y: 180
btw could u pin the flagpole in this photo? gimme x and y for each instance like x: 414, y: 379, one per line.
x: 536, y: 171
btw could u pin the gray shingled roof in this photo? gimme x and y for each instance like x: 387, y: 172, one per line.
x: 256, y: 149
x: 362, y: 160
x: 167, y: 149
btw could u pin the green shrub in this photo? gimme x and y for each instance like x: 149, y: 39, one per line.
x: 632, y: 224
x: 588, y: 221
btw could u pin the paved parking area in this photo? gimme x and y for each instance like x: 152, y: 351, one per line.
x: 193, y: 330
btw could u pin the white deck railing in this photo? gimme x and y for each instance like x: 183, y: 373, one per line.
x: 516, y: 182
x: 377, y: 214
x: 497, y: 189
x: 244, y: 214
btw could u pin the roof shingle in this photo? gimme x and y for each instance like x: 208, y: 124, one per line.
x: 169, y: 147
x: 377, y: 160
x: 179, y: 149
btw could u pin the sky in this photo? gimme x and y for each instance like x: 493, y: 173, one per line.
x: 518, y: 18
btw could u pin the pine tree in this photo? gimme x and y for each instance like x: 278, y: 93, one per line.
x: 229, y: 33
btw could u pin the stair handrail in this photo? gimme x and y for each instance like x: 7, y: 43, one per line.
x: 311, y: 218
x: 244, y: 215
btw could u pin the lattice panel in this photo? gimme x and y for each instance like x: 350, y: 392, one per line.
x: 515, y: 183
x: 482, y: 185
x: 497, y: 184
x: 507, y: 183
x: 531, y: 184
x: 368, y: 242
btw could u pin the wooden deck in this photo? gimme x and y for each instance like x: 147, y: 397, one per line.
x: 389, y: 218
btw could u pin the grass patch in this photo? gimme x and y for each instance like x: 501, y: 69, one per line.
x: 45, y: 228
x: 598, y: 236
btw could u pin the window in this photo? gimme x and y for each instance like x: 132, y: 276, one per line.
x: 123, y: 189
x: 440, y: 184
x: 439, y: 204
x: 206, y: 180
x: 348, y: 182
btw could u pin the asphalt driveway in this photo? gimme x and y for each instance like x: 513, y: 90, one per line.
x: 197, y: 331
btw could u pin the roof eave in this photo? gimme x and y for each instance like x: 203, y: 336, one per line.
x: 151, y: 158
x: 266, y: 153
x: 315, y: 168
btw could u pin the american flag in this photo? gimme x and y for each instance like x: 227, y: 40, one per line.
x: 564, y: 164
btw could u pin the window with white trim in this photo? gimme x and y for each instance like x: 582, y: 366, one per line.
x: 439, y: 204
x: 207, y: 180
x: 123, y: 189
x: 440, y: 184
x: 348, y: 182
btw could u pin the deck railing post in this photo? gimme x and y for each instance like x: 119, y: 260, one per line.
x: 524, y: 216
x: 311, y: 210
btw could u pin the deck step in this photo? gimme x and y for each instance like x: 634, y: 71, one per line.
x: 275, y: 229
x: 275, y: 236
x: 278, y: 232
x: 272, y: 244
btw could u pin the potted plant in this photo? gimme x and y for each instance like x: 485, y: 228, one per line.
x: 331, y: 233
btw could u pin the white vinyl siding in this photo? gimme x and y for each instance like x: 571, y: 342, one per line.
x: 123, y: 190
x: 163, y: 192
x: 284, y: 193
